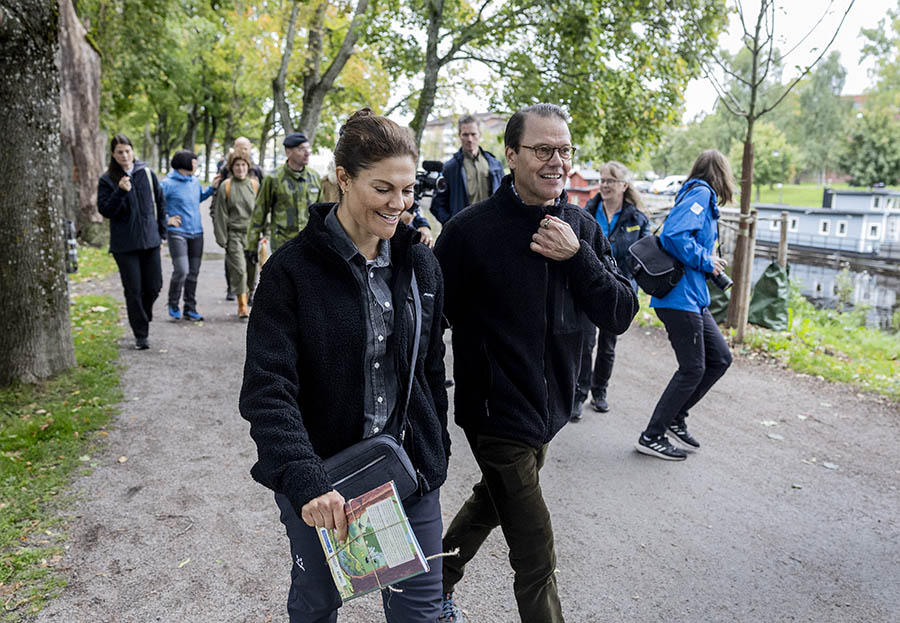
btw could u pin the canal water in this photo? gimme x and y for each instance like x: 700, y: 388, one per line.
x: 819, y: 284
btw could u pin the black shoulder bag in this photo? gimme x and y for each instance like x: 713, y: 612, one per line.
x: 654, y: 270
x: 379, y: 459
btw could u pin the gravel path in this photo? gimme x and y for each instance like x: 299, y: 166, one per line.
x: 800, y: 527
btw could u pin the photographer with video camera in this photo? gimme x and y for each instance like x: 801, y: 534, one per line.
x: 428, y: 182
x: 471, y: 175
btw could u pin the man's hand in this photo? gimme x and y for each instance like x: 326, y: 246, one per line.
x: 326, y: 511
x: 174, y: 221
x: 125, y: 183
x: 719, y: 264
x: 427, y: 238
x: 555, y: 239
x: 252, y: 257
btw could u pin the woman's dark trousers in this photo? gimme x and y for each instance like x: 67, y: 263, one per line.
x: 187, y: 253
x: 141, y: 273
x: 703, y: 357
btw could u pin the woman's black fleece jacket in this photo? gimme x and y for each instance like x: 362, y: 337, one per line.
x: 303, y: 376
x: 518, y: 317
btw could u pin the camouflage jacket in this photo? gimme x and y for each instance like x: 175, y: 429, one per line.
x: 282, y: 206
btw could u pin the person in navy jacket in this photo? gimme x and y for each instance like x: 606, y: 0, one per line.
x: 472, y: 174
x: 619, y: 211
x: 129, y: 195
x: 690, y: 235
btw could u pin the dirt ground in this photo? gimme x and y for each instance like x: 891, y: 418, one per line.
x: 789, y: 512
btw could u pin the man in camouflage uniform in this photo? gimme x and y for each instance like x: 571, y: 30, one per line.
x: 282, y: 205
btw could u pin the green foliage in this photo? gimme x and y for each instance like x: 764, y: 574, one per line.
x: 833, y: 345
x: 872, y: 152
x: 93, y: 264
x: 47, y: 432
x: 843, y: 288
x: 774, y: 160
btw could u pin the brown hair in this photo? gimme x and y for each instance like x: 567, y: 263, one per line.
x: 466, y: 119
x: 515, y: 127
x: 621, y: 173
x: 114, y: 169
x: 713, y: 168
x: 239, y: 154
x: 367, y: 138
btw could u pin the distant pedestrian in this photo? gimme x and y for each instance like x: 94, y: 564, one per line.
x: 183, y: 197
x: 472, y: 174
x: 689, y: 235
x: 619, y: 211
x: 130, y: 196
x: 234, y: 204
x: 329, y: 363
x: 282, y: 205
x: 521, y: 270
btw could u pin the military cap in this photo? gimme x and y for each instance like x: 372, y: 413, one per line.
x: 297, y: 138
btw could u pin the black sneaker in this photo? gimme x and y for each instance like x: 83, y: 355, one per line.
x: 682, y: 436
x: 230, y: 295
x: 660, y: 448
x: 141, y: 343
x: 576, y: 414
x: 600, y: 405
x: 450, y: 612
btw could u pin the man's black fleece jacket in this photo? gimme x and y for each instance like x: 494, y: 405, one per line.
x: 517, y: 317
x: 303, y: 376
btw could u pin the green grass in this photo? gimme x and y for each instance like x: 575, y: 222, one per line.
x: 48, y: 433
x: 833, y: 345
x: 807, y: 195
x: 93, y: 263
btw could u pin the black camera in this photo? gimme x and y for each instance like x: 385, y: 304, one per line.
x: 722, y: 280
x: 428, y: 181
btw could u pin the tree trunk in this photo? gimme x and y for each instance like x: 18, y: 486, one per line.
x: 190, y: 133
x: 432, y: 68
x: 82, y: 146
x: 740, y: 291
x: 209, y: 135
x: 315, y: 89
x: 36, y: 344
x: 264, y: 136
x: 278, y: 83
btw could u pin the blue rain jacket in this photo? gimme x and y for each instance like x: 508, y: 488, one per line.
x: 184, y: 194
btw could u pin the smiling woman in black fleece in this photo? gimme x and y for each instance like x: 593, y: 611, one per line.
x: 328, y: 355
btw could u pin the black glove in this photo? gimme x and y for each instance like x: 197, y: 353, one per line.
x: 252, y: 257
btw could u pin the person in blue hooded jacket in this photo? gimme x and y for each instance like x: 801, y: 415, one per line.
x: 184, y: 194
x: 689, y: 235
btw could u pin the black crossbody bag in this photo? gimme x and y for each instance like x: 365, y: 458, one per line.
x: 381, y: 458
x: 654, y: 270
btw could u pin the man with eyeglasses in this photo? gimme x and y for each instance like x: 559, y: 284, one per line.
x: 521, y: 271
x: 282, y: 204
x: 472, y: 174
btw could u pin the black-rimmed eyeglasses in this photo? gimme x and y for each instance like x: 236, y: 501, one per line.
x: 545, y: 152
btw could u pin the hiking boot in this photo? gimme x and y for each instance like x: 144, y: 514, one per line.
x: 682, y: 437
x: 450, y: 613
x: 230, y: 296
x: 191, y: 314
x: 660, y: 447
x: 141, y: 343
x: 174, y: 312
x: 599, y: 403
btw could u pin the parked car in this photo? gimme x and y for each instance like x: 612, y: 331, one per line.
x: 642, y: 186
x: 668, y: 185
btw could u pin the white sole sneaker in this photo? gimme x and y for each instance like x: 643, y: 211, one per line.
x: 658, y: 453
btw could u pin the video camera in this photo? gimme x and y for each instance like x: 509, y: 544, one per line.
x: 428, y: 182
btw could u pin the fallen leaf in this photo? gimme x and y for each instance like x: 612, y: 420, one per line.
x: 769, y: 423
x: 163, y: 350
x: 829, y: 465
x: 184, y: 562
x: 84, y: 458
x: 802, y: 417
x: 99, y: 309
x: 775, y: 436
x: 796, y: 486
x: 122, y: 459
x: 825, y: 404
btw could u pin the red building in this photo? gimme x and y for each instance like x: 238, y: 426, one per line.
x: 582, y: 185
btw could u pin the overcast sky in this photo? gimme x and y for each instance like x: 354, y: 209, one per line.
x: 793, y: 20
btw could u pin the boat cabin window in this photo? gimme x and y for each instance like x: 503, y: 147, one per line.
x: 824, y: 227
x: 841, y: 228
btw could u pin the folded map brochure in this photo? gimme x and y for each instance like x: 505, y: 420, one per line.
x: 381, y: 548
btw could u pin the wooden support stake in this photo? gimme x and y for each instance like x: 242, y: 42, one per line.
x: 744, y: 309
x: 782, y: 242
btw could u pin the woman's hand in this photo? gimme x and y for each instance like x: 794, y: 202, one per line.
x: 555, y: 239
x: 719, y: 264
x: 174, y: 221
x: 125, y: 183
x: 326, y: 511
x: 216, y: 181
x: 427, y: 238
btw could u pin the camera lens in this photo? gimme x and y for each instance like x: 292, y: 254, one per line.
x: 722, y: 281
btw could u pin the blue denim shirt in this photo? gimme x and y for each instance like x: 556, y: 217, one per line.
x: 374, y: 278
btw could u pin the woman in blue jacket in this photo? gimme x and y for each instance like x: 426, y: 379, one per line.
x: 690, y: 235
x: 130, y: 196
x: 619, y: 210
x: 183, y: 198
